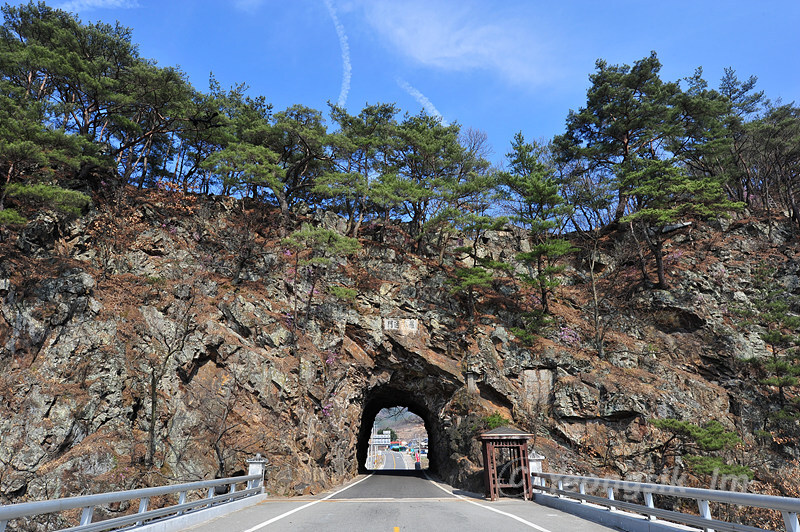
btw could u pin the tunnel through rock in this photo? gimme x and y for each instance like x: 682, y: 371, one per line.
x: 387, y: 397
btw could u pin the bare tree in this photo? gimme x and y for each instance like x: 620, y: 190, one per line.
x: 169, y: 339
x: 215, y: 396
x: 604, y: 281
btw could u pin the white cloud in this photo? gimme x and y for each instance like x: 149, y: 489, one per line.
x: 422, y: 100
x: 463, y: 36
x: 347, y: 67
x: 87, y: 5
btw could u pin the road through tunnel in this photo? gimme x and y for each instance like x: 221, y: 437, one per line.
x: 387, y: 397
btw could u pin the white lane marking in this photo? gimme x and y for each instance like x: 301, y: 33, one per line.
x: 312, y: 503
x: 512, y: 516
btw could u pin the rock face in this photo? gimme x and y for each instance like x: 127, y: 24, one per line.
x: 247, y: 356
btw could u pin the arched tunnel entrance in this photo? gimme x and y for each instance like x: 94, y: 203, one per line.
x: 387, y: 397
x: 399, y: 441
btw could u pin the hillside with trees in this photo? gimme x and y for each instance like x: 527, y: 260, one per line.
x: 84, y: 112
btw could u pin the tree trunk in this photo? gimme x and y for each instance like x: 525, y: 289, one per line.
x: 151, y: 433
x: 794, y: 215
x: 285, y: 215
x: 85, y: 169
x: 642, y: 263
x: 598, y: 333
x: 5, y: 187
x: 659, y: 256
x: 314, y: 279
x: 542, y: 284
x: 357, y: 226
x: 385, y: 226
x: 220, y: 459
x: 620, y: 211
x: 443, y: 240
x: 657, y: 249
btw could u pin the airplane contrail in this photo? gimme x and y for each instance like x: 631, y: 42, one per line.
x: 80, y: 5
x: 347, y: 68
x: 422, y: 100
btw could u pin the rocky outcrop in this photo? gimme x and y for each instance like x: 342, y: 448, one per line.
x: 248, y: 357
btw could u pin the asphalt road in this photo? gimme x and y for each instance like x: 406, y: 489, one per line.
x: 393, y: 460
x: 394, y: 501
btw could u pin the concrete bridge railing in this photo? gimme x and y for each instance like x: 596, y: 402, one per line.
x: 789, y: 507
x: 217, y: 492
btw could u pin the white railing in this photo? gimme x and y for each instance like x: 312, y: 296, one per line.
x: 789, y: 507
x: 87, y: 503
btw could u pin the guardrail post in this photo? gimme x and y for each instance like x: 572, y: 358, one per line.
x: 705, y: 512
x: 535, y: 460
x: 648, y: 500
x: 560, y: 488
x: 143, y: 502
x: 181, y: 500
x: 3, y: 526
x: 610, y: 492
x: 86, y: 515
x: 582, y: 490
x: 257, y: 466
x: 789, y: 518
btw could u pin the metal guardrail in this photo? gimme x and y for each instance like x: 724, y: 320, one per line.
x: 789, y: 507
x: 89, y: 502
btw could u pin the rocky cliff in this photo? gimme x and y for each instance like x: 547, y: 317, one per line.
x: 188, y: 317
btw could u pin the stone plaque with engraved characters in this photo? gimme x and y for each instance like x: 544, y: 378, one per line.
x: 402, y: 325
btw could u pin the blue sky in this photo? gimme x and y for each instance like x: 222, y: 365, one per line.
x: 497, y: 66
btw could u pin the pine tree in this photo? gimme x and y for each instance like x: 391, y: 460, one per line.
x: 358, y: 151
x: 664, y: 193
x: 745, y: 103
x: 314, y: 251
x: 773, y: 313
x: 67, y: 201
x: 466, y: 195
x: 299, y: 137
x: 772, y: 148
x: 29, y: 155
x: 531, y: 187
x: 627, y: 114
x: 424, y: 162
x: 481, y: 273
x: 695, y: 443
x: 467, y: 281
x: 700, y: 140
x: 89, y: 84
x: 246, y: 168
